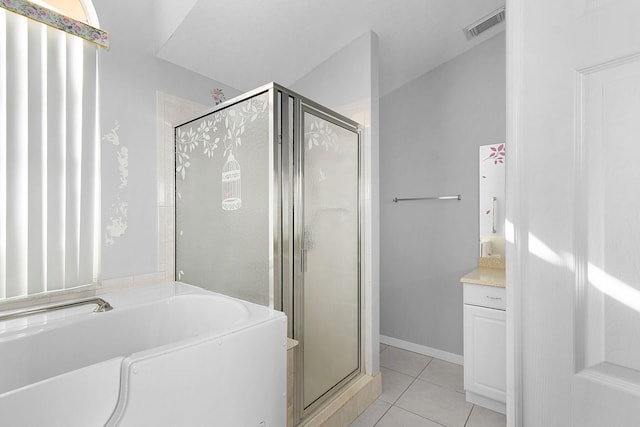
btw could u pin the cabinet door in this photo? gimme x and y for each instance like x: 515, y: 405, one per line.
x: 485, y: 352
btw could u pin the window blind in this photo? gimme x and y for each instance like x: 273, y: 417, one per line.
x: 49, y: 159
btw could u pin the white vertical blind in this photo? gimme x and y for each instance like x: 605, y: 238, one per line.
x: 3, y: 156
x: 37, y: 91
x: 49, y: 159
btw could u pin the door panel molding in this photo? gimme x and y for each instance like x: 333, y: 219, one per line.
x: 558, y: 373
x: 607, y: 307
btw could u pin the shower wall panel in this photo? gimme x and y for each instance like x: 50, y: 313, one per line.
x: 223, y: 181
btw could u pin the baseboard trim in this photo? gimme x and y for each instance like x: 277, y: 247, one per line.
x: 486, y: 402
x: 423, y: 349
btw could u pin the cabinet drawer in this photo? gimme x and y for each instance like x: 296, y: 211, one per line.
x: 485, y: 296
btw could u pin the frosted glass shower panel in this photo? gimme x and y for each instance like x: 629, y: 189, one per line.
x: 223, y: 184
x: 330, y: 255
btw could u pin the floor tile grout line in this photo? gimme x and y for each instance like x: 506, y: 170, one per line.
x: 409, y: 386
x: 426, y: 366
x: 399, y: 372
x: 398, y: 398
x: 405, y: 390
x: 382, y: 416
x: 414, y: 378
x: 418, y: 415
x: 444, y: 387
x: 421, y: 372
x: 431, y: 358
x: 414, y: 352
x: 422, y: 416
x: 469, y: 416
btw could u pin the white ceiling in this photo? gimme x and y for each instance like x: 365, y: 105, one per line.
x: 247, y: 43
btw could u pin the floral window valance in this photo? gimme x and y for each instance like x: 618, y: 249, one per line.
x: 57, y: 20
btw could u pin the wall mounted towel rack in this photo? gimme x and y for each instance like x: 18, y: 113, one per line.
x: 457, y: 197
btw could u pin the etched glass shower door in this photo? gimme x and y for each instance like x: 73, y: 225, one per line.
x: 329, y: 253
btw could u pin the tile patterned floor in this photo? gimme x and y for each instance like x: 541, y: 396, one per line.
x: 420, y: 391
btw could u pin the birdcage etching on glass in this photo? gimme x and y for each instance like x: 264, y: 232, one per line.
x: 223, y: 129
x: 231, y: 184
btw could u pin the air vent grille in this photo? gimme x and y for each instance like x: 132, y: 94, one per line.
x: 482, y: 25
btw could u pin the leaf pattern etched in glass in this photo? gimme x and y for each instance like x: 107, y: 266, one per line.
x: 225, y: 126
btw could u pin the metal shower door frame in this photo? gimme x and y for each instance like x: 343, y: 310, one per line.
x: 275, y: 213
x: 296, y: 286
x: 286, y: 217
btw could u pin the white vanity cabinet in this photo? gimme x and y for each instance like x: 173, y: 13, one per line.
x: 485, y: 349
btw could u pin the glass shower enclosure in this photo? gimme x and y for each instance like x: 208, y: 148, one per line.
x: 268, y: 210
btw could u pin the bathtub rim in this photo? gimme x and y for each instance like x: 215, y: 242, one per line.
x: 256, y: 315
x: 142, y: 296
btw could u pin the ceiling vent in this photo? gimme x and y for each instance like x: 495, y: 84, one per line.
x: 483, y: 24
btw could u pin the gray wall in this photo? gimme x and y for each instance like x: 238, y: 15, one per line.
x: 129, y: 77
x: 430, y: 130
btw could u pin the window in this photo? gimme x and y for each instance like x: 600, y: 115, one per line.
x: 70, y: 8
x: 49, y: 148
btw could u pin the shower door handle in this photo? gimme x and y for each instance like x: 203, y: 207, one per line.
x: 493, y: 214
x: 303, y: 263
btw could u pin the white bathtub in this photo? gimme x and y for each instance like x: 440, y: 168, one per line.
x: 167, y: 355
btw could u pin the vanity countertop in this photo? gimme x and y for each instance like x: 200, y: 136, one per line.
x: 485, y: 276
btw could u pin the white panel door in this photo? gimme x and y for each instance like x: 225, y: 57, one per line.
x: 573, y: 181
